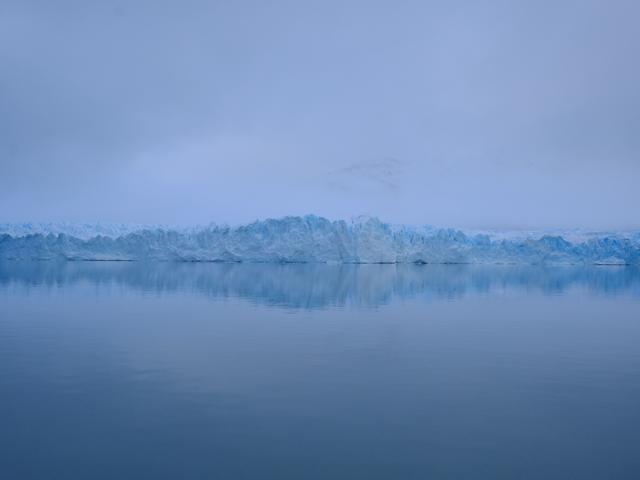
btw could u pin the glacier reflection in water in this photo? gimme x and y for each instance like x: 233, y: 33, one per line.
x: 310, y: 286
x: 242, y: 371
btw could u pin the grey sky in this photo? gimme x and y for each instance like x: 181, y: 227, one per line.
x: 478, y: 113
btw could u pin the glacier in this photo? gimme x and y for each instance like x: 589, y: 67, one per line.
x: 313, y: 239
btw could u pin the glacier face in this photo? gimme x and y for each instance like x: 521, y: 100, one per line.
x: 313, y: 239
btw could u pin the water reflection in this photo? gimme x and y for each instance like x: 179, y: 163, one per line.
x: 120, y: 370
x: 311, y: 286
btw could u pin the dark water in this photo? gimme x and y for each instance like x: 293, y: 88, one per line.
x: 120, y: 370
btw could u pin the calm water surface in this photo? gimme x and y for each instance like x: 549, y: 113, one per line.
x: 127, y: 370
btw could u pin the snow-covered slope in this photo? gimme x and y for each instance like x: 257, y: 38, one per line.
x: 315, y: 239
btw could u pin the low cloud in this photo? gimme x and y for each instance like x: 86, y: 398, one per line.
x: 383, y: 174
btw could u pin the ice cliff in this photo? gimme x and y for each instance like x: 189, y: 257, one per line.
x: 313, y: 239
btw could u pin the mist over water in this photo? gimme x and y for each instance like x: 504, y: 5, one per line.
x: 180, y: 299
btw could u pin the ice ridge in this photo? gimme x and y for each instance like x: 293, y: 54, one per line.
x: 313, y: 239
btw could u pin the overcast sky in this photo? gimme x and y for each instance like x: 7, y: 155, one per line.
x: 459, y: 113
